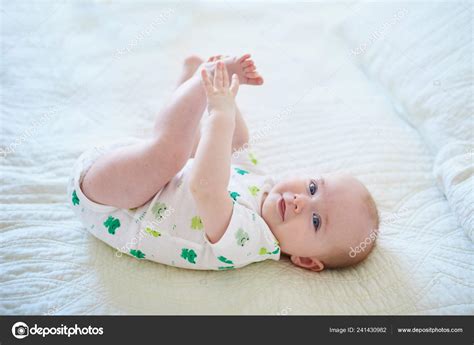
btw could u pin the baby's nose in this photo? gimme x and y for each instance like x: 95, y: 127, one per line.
x: 298, y: 203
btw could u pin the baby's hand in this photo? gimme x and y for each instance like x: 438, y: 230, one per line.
x: 220, y: 96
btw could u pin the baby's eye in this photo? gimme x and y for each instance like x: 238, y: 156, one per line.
x: 313, y: 187
x: 316, y: 221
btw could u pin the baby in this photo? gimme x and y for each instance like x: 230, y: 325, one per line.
x: 194, y: 198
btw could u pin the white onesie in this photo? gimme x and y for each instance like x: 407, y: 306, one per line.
x: 168, y: 228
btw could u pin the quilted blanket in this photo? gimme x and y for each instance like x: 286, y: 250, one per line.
x: 76, y: 74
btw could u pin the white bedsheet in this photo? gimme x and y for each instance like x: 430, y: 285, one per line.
x: 77, y: 74
x: 422, y: 55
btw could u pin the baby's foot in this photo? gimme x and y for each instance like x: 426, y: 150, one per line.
x: 243, y: 66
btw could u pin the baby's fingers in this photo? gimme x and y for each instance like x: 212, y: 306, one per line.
x: 234, y: 86
x: 206, y: 81
x: 218, y: 75
x: 225, y: 77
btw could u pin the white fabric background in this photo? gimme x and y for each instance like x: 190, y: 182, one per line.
x: 423, y: 56
x: 60, y: 68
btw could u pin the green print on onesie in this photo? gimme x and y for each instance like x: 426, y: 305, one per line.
x: 137, y: 253
x: 264, y: 251
x: 158, y: 209
x: 112, y: 224
x: 254, y: 190
x: 241, y: 171
x: 225, y: 260
x: 75, y: 199
x: 225, y: 268
x: 152, y: 232
x: 234, y: 195
x: 242, y: 237
x: 196, y: 223
x: 253, y: 159
x: 189, y: 254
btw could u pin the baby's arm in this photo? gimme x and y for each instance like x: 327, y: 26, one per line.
x: 211, y: 170
x: 240, y: 138
x: 241, y: 132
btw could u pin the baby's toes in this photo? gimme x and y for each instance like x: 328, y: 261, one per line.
x: 250, y: 68
x: 214, y: 58
x: 247, y: 63
x: 252, y: 75
x: 255, y: 81
x: 243, y: 58
x: 253, y: 78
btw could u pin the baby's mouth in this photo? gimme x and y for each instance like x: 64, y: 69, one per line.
x: 282, y: 208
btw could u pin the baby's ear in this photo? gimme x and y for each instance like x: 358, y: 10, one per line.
x: 310, y: 263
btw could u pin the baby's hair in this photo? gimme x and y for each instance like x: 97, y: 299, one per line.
x: 373, y: 211
x: 342, y: 257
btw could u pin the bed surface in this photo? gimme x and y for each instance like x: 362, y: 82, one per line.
x: 75, y: 75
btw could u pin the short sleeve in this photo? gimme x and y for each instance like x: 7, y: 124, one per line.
x: 247, y: 239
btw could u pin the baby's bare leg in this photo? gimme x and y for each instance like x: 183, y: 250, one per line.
x: 190, y: 66
x: 130, y: 176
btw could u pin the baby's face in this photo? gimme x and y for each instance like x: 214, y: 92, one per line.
x: 312, y: 217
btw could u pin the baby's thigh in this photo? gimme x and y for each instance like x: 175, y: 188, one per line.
x: 115, y: 226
